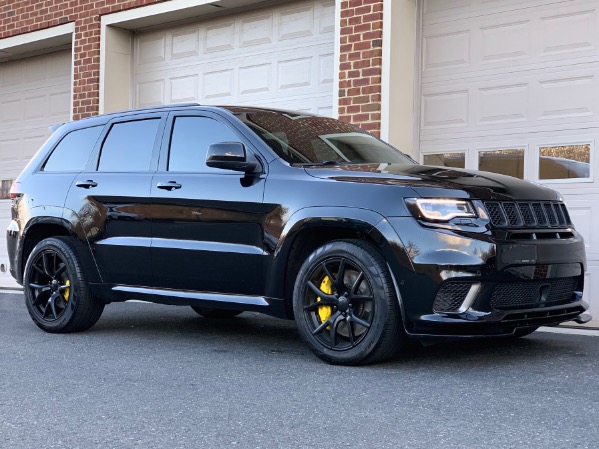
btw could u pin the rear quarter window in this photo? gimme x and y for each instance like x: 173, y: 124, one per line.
x: 73, y: 151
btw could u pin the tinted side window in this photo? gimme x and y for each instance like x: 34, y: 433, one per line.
x: 190, y: 140
x: 129, y: 146
x: 72, y: 153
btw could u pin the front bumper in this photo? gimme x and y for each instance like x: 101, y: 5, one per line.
x: 460, y: 283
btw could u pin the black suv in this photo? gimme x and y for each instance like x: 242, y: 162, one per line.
x: 231, y: 209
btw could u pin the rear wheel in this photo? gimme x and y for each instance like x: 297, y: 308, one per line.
x: 345, y: 304
x: 56, y: 291
x: 216, y: 313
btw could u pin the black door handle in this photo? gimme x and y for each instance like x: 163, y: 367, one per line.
x: 171, y: 185
x: 86, y: 184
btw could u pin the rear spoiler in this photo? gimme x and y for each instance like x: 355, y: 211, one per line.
x: 55, y: 126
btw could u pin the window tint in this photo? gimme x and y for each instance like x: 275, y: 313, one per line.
x: 190, y: 141
x: 129, y: 146
x: 72, y: 153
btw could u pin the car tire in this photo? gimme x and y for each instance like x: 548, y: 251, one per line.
x: 523, y: 332
x: 207, y: 312
x: 56, y: 291
x: 352, y: 319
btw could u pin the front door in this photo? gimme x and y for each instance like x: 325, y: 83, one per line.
x: 207, y: 223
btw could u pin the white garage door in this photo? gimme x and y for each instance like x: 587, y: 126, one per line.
x: 513, y: 86
x: 280, y: 57
x: 34, y: 94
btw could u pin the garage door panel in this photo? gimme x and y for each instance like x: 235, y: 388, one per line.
x: 252, y: 58
x: 524, y: 38
x: 529, y: 101
x: 34, y: 94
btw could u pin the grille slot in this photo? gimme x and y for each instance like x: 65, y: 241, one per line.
x: 511, y: 212
x: 496, y: 214
x: 539, y: 214
x: 527, y: 214
x: 550, y: 213
x: 566, y: 214
x: 508, y: 214
x: 533, y: 293
x: 451, y: 296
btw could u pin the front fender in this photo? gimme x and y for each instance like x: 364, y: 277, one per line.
x: 368, y: 222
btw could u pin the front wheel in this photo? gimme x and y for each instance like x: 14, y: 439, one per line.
x: 56, y: 291
x: 345, y: 304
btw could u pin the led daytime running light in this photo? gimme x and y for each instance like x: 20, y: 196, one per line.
x: 444, y: 209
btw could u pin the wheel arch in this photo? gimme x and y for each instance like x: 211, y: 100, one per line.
x: 43, y: 227
x: 310, y: 228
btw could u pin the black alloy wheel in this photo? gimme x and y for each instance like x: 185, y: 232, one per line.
x: 345, y: 304
x: 49, y: 285
x: 56, y: 292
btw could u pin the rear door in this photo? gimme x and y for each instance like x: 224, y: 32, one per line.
x: 208, y: 224
x: 111, y: 198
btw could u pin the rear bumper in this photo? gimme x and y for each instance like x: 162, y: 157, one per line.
x: 464, y: 284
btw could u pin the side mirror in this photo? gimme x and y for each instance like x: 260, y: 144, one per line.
x: 229, y: 156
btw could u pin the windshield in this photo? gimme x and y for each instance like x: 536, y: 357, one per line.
x: 309, y: 139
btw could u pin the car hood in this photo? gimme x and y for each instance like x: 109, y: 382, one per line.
x: 429, y: 181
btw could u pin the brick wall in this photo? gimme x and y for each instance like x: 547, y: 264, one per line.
x: 361, y: 49
x: 24, y: 16
x: 361, y: 62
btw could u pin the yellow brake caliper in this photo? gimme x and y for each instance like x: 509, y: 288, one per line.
x: 67, y: 291
x: 325, y: 312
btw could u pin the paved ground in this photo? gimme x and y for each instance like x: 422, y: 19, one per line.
x: 149, y: 376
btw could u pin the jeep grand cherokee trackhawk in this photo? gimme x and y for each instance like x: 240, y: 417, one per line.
x: 231, y: 209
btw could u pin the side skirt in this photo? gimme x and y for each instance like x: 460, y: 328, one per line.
x: 120, y: 293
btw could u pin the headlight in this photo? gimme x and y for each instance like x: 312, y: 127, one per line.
x: 440, y: 210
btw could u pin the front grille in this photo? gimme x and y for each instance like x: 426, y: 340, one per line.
x: 451, y: 296
x: 537, y: 214
x: 533, y: 293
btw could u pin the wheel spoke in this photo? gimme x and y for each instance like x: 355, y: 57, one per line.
x: 39, y: 270
x: 350, y: 331
x: 46, y: 310
x: 317, y: 305
x: 54, y: 265
x: 333, y: 334
x: 357, y: 283
x: 38, y: 299
x: 362, y: 298
x: 45, y: 264
x: 330, y: 299
x: 328, y: 272
x: 325, y: 324
x: 359, y: 321
x: 340, y: 277
x: 53, y: 305
x: 62, y: 288
x: 61, y: 270
x: 42, y: 287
